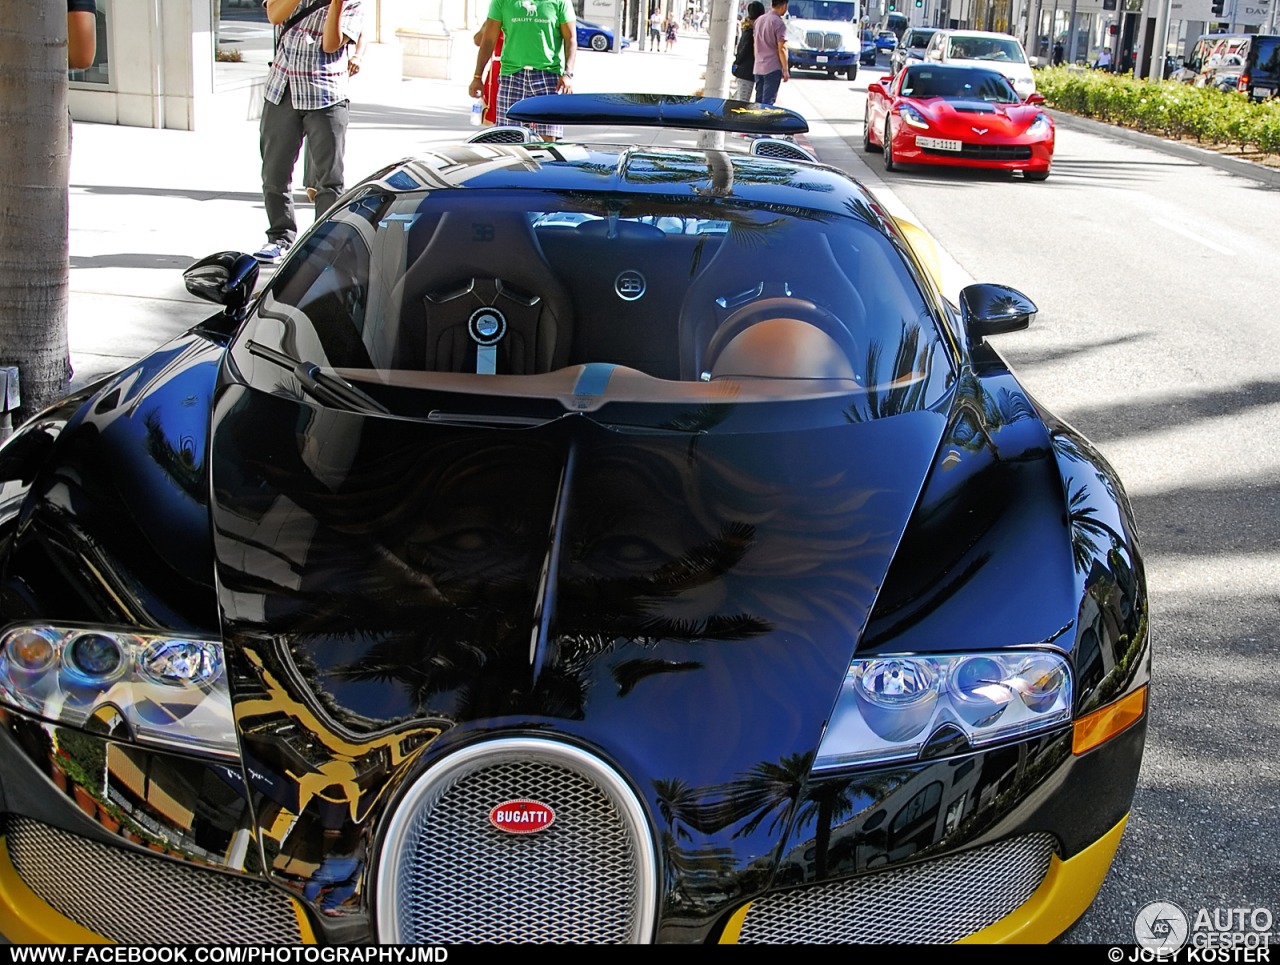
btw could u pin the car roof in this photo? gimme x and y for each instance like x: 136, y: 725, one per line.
x: 670, y: 172
x: 977, y: 33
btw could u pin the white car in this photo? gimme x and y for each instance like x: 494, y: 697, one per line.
x: 979, y: 48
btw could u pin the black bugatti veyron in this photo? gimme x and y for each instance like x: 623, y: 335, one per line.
x: 570, y: 542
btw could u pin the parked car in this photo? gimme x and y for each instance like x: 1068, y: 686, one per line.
x: 689, y: 571
x: 962, y: 116
x: 597, y: 37
x: 978, y: 48
x: 1260, y: 76
x: 910, y: 48
x: 870, y: 52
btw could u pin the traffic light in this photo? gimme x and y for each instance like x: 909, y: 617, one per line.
x: 892, y: 6
x: 1218, y: 6
x: 919, y: 3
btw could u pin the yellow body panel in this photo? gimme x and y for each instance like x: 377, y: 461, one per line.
x: 26, y: 919
x: 924, y: 248
x: 1068, y: 889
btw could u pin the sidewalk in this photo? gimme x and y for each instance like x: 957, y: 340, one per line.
x: 145, y: 204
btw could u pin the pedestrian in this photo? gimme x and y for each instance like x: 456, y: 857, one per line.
x: 539, y: 47
x: 1104, y: 60
x: 305, y: 98
x: 671, y: 34
x: 655, y: 28
x: 82, y: 33
x: 1059, y: 55
x: 744, y: 61
x: 770, y: 66
x: 354, y: 60
x: 492, y: 71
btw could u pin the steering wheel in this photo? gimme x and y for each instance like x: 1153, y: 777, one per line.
x: 768, y: 308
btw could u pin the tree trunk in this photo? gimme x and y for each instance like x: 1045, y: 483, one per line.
x: 34, y: 156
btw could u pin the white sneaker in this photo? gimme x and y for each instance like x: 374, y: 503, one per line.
x: 272, y: 252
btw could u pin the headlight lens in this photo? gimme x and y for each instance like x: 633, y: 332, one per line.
x: 912, y: 116
x: 889, y: 706
x: 170, y: 691
x: 1039, y: 127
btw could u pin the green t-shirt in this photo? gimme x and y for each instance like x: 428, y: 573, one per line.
x: 531, y: 32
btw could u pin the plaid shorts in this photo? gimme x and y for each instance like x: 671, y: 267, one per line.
x: 528, y: 83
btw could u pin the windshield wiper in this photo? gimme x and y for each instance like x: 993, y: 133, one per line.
x: 324, y: 388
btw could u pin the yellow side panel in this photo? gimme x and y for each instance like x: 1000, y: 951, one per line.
x: 733, y: 928
x: 26, y: 919
x: 1067, y: 890
x: 924, y: 248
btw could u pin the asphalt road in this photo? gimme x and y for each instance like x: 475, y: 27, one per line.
x: 1158, y: 288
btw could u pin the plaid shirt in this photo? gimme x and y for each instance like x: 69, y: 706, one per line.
x: 315, y: 80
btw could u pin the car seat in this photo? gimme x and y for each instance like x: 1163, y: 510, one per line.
x: 483, y: 298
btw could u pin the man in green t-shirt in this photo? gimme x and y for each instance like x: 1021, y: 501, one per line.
x: 539, y: 47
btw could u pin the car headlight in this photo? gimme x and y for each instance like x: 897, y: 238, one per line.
x: 912, y: 116
x: 160, y: 690
x: 1039, y: 127
x: 889, y: 707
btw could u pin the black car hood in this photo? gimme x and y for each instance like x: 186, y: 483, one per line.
x: 686, y: 604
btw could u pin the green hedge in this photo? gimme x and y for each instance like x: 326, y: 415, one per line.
x: 1169, y: 107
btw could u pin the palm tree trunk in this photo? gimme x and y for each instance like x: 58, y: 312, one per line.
x: 34, y: 157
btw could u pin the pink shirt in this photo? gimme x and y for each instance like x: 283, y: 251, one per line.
x: 769, y: 32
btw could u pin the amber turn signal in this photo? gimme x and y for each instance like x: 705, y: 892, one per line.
x: 1104, y: 724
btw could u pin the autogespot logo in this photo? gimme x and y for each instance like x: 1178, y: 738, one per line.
x: 1161, y: 925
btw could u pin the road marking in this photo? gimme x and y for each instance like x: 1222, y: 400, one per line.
x: 1178, y: 229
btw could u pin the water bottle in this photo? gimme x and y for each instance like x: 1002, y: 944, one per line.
x: 477, y: 113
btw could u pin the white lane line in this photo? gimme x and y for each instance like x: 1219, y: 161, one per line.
x: 1178, y: 229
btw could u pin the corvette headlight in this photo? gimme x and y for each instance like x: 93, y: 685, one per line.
x: 889, y: 707
x: 1039, y: 127
x: 912, y: 116
x: 164, y: 691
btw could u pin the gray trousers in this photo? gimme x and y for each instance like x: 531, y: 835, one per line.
x: 742, y: 89
x: 281, y: 133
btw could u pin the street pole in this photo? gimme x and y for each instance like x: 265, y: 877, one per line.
x: 619, y: 16
x: 1160, y: 42
x: 1075, y: 36
x: 1034, y: 35
x: 719, y: 40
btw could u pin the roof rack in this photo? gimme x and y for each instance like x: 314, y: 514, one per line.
x: 658, y: 110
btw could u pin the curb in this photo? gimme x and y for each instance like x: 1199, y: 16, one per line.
x: 1200, y: 155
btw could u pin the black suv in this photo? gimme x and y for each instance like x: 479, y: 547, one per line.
x: 1260, y: 77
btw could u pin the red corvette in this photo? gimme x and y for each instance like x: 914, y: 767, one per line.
x: 966, y: 116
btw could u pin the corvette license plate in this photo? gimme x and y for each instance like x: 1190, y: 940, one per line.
x: 822, y: 60
x: 937, y: 143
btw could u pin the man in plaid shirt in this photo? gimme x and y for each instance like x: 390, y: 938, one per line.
x: 539, y: 46
x: 306, y: 96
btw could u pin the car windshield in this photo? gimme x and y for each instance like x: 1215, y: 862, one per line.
x: 961, y: 47
x: 590, y: 298
x: 821, y: 10
x: 919, y: 38
x: 958, y: 83
x: 1268, y: 56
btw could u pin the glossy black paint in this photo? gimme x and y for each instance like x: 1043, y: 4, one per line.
x: 994, y: 310
x: 226, y: 278
x: 378, y: 585
x: 658, y: 110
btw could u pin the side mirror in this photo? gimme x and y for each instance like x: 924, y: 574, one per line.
x: 1035, y: 98
x: 994, y: 310
x: 225, y: 278
x: 875, y: 87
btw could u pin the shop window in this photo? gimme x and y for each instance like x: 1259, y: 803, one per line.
x: 98, y: 73
x: 243, y: 41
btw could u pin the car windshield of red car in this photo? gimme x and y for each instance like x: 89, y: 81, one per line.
x: 985, y: 48
x: 958, y: 83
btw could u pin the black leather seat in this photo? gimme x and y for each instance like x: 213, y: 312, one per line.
x: 752, y: 267
x: 479, y: 260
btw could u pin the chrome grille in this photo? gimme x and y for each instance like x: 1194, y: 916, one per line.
x: 137, y: 898
x: 772, y: 147
x: 813, y: 40
x: 500, y: 135
x: 935, y: 901
x: 832, y: 41
x: 448, y: 875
